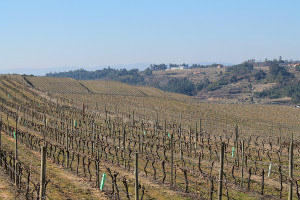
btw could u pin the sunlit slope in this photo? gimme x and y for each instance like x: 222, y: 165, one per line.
x: 153, y: 92
x: 57, y: 85
x: 13, y: 77
x: 119, y: 88
x: 111, y: 88
x: 150, y: 101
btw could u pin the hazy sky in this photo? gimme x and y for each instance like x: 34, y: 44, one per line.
x: 55, y: 33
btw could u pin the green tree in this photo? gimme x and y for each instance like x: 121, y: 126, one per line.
x: 147, y: 72
x: 276, y: 69
x: 127, y: 76
x: 159, y: 67
x: 183, y: 86
x: 260, y: 74
x: 173, y: 65
x: 296, y: 98
x: 202, y: 84
x: 279, y: 73
x: 240, y: 69
x: 213, y: 86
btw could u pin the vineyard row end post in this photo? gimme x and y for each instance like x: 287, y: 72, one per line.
x: 172, y: 158
x: 136, y: 176
x: 16, y: 150
x: 291, y: 170
x: 1, y: 130
x: 242, y: 165
x: 221, y: 171
x: 43, y: 173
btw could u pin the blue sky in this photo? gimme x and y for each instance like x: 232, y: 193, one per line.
x: 59, y: 33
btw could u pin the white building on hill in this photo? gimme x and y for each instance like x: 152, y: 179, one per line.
x: 178, y: 68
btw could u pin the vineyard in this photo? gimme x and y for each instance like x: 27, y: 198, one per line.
x: 107, y: 140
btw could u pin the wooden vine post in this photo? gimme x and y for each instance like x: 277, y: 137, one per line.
x: 172, y: 158
x: 83, y: 111
x: 291, y: 170
x: 196, y: 136
x: 43, y: 173
x: 142, y: 137
x: 236, y: 142
x: 200, y: 127
x: 98, y: 166
x: 124, y: 145
x: 242, y: 166
x: 221, y: 171
x: 136, y: 176
x: 190, y: 146
x: 133, y: 122
x: 165, y: 132
x: 1, y: 129
x: 16, y: 150
x: 67, y: 145
x: 94, y: 136
x: 45, y: 128
x: 180, y: 144
x: 262, y: 181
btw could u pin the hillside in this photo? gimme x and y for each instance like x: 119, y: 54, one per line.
x: 125, y: 98
x: 111, y: 88
x: 116, y: 94
x: 248, y: 82
x: 178, y: 140
x: 56, y: 85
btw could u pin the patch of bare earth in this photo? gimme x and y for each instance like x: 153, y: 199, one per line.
x: 7, y: 189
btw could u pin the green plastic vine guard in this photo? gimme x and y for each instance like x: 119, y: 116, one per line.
x: 102, y: 181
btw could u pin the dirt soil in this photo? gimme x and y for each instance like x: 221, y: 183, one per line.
x: 7, y: 189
